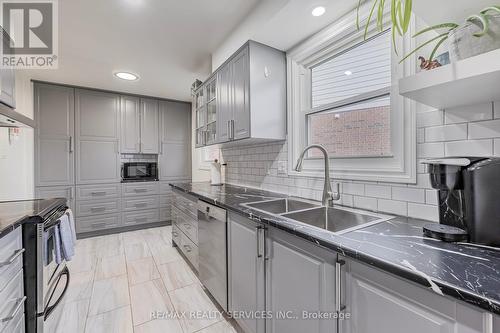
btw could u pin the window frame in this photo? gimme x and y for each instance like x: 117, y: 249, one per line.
x: 340, y: 36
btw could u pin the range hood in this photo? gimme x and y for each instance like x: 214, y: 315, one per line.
x: 11, y: 118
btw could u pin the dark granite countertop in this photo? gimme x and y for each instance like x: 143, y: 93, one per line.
x: 467, y: 272
x: 15, y: 213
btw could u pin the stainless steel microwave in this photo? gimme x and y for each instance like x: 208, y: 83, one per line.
x: 139, y: 171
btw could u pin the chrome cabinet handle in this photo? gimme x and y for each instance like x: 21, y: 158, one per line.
x: 97, y: 209
x: 259, y: 233
x: 338, y: 286
x: 14, y: 256
x: 175, y: 234
x: 98, y: 193
x: 188, y: 248
x: 140, y: 190
x: 71, y: 145
x: 20, y: 302
x: 139, y: 205
x: 142, y: 219
x: 229, y: 129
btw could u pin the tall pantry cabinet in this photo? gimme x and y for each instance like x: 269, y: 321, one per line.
x: 80, y: 137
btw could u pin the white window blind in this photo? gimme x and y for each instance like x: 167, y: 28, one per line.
x: 361, y: 69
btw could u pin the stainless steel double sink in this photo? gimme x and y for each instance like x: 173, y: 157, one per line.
x: 335, y: 219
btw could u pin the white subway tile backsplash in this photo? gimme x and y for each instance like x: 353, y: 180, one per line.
x: 430, y: 118
x: 426, y: 150
x: 465, y: 114
x: 420, y: 135
x: 408, y: 194
x: 446, y: 133
x: 469, y: 147
x: 431, y: 197
x: 425, y: 212
x: 353, y: 188
x: 393, y: 207
x: 365, y: 203
x: 378, y: 191
x: 484, y: 129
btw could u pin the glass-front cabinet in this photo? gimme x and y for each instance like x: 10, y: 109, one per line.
x: 201, y: 116
x: 205, y: 102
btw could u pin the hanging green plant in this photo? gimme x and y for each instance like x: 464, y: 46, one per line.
x: 401, y: 11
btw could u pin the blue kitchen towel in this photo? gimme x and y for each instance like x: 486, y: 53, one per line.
x: 66, y: 233
x: 69, y: 212
x: 57, y: 245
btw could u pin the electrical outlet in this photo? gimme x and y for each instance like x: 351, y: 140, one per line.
x: 282, y: 168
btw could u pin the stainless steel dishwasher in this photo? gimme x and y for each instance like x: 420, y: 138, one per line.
x: 212, y: 245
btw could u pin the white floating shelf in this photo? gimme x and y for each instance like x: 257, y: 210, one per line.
x: 466, y: 82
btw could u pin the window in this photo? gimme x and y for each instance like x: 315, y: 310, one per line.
x: 355, y: 84
x: 343, y: 94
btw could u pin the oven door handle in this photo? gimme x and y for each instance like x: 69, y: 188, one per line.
x: 50, y: 308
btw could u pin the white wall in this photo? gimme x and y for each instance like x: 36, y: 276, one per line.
x: 16, y: 158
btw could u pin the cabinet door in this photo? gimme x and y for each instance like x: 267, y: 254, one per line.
x: 149, y: 126
x: 130, y: 124
x: 300, y: 277
x: 67, y: 192
x: 175, y: 161
x: 175, y: 120
x: 97, y: 115
x: 7, y: 77
x: 380, y: 302
x: 97, y: 133
x: 224, y: 100
x: 97, y: 162
x: 55, y: 118
x: 246, y: 271
x: 241, y: 96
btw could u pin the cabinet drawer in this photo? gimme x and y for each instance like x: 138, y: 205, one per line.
x: 165, y: 214
x: 165, y: 200
x: 141, y: 217
x: 181, y: 217
x: 12, y: 303
x: 186, y: 204
x: 132, y: 204
x: 97, y: 207
x: 98, y: 222
x: 11, y: 256
x: 98, y: 191
x: 176, y: 235
x: 134, y: 189
x: 190, y: 250
x: 188, y: 228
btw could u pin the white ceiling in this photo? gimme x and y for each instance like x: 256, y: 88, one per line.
x: 168, y: 43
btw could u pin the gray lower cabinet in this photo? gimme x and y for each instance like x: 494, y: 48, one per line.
x: 380, y: 302
x: 246, y: 279
x: 67, y: 192
x: 300, y: 279
x: 54, y: 135
x: 150, y: 122
x: 130, y: 125
x: 140, y: 217
x: 185, y: 226
x: 98, y: 223
x: 12, y: 295
x: 97, y: 207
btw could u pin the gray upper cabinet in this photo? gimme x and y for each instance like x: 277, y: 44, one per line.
x: 300, y: 276
x: 240, y: 126
x: 54, y: 135
x: 246, y: 278
x: 251, y: 96
x: 174, y: 160
x: 380, y: 302
x: 7, y: 78
x: 149, y: 126
x: 97, y: 137
x: 130, y: 125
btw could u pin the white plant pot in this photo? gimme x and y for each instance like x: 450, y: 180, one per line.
x: 463, y: 44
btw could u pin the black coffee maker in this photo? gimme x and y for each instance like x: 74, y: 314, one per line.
x: 469, y: 199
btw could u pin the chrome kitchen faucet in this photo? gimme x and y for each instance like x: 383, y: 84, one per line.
x: 328, y: 195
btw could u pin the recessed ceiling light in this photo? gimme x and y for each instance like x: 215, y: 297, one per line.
x: 126, y: 76
x: 348, y: 73
x: 318, y: 11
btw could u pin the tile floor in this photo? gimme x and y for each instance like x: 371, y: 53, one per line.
x: 117, y: 281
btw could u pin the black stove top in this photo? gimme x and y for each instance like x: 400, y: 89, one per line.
x: 13, y: 213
